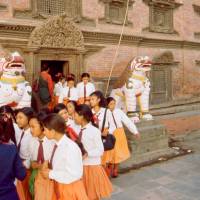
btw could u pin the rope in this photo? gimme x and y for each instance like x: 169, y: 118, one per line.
x: 117, y: 50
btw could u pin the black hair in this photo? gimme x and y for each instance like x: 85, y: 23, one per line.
x: 71, y: 75
x: 7, y: 131
x: 55, y: 122
x: 100, y: 96
x: 41, y: 116
x: 85, y: 111
x: 109, y: 99
x: 70, y: 78
x: 44, y: 67
x: 59, y: 107
x: 7, y: 109
x: 85, y: 75
x: 29, y: 112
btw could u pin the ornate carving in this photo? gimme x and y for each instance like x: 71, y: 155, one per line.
x: 165, y: 58
x: 161, y: 15
x: 57, y: 32
x: 115, y: 11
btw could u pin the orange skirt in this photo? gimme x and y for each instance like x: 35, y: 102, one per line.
x: 107, y: 157
x: 121, y: 151
x: 72, y: 191
x: 43, y: 188
x: 96, y: 181
x: 23, y: 187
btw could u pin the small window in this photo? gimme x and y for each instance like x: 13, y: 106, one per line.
x: 51, y: 7
x: 115, y: 11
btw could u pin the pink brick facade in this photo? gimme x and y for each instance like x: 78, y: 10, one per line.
x: 183, y: 44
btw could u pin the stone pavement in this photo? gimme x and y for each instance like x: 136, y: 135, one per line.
x: 176, y: 179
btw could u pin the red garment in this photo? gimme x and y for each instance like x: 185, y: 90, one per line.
x: 71, y: 133
x: 47, y: 77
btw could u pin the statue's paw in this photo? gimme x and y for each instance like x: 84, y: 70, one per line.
x: 147, y: 117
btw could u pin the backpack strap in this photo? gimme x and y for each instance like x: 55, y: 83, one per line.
x: 104, y: 120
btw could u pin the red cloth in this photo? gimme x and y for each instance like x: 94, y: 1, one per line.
x: 47, y: 77
x: 71, y: 133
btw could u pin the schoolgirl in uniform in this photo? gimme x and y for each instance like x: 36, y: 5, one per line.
x: 121, y: 151
x: 23, y: 138
x: 65, y: 164
x: 7, y: 110
x: 40, y: 152
x: 101, y: 114
x: 85, y: 88
x: 58, y: 87
x: 95, y: 179
x: 11, y: 166
x: 72, y: 129
x: 68, y: 92
x: 71, y: 105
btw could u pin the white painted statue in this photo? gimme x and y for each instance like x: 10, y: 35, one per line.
x: 14, y: 89
x: 136, y: 89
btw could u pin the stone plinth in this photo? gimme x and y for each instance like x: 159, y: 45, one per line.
x: 152, y: 145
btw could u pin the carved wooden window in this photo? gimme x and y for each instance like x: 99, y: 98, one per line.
x: 160, y: 84
x: 51, y: 7
x: 45, y: 8
x: 115, y: 11
x: 161, y: 15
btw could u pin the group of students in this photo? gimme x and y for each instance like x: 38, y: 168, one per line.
x: 65, y: 89
x: 62, y: 151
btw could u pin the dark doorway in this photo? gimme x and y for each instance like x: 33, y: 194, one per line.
x: 56, y: 67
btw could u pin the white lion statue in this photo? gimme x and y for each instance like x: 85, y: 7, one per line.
x: 136, y: 89
x: 14, y: 89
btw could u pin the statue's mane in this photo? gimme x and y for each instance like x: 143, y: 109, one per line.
x: 121, y: 80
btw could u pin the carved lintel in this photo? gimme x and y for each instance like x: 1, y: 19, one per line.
x: 57, y: 32
x: 166, y: 58
x: 163, y: 3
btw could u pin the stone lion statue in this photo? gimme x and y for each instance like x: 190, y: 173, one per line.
x: 15, y: 91
x: 134, y: 86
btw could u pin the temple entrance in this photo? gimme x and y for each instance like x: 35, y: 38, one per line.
x: 56, y: 67
x: 61, y: 48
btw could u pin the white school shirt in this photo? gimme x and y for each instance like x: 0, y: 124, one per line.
x: 92, y: 142
x: 109, y: 123
x: 67, y: 162
x: 58, y: 89
x: 47, y: 148
x: 71, y: 123
x: 24, y: 152
x: 89, y: 89
x: 121, y: 118
x: 64, y: 94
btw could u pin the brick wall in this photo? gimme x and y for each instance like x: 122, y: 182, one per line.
x: 185, y: 75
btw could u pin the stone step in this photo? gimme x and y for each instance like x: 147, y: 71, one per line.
x: 152, y: 145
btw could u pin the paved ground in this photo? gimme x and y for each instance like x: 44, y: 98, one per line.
x: 177, y: 179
